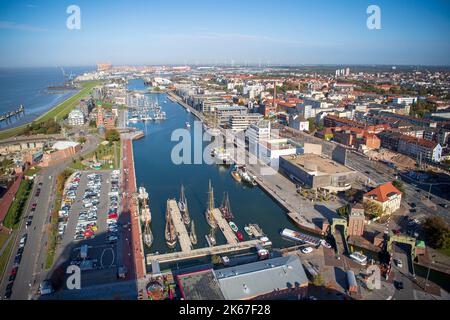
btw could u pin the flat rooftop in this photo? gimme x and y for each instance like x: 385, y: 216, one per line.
x: 201, y: 285
x: 312, y: 162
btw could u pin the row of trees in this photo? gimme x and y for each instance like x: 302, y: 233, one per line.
x: 437, y: 233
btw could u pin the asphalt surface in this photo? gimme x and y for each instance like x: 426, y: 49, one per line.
x: 32, y: 267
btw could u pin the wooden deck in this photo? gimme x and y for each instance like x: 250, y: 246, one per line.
x: 177, y: 219
x: 224, y: 227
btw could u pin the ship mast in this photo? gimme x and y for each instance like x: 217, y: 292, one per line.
x: 210, y: 197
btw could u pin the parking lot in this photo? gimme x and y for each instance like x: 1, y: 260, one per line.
x: 88, y: 225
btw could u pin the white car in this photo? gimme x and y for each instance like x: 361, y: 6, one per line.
x: 307, y: 250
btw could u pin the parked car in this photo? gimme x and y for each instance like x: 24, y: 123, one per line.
x: 307, y: 250
x: 398, y: 263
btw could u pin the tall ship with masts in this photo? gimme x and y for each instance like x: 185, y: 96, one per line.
x: 146, y: 216
x: 182, y: 205
x: 211, y: 237
x: 225, y: 208
x: 192, y: 234
x: 171, y: 235
x: 208, y: 213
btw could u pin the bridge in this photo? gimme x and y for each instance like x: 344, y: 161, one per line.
x: 203, y: 252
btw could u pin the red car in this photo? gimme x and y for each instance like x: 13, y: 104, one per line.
x: 14, y: 271
x: 88, y: 234
x: 113, y: 216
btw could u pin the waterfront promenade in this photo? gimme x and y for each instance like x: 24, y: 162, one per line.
x: 132, y: 240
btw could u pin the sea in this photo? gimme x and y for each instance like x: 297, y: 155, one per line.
x: 29, y: 87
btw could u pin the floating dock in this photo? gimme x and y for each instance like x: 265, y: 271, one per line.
x: 224, y: 227
x: 180, y: 227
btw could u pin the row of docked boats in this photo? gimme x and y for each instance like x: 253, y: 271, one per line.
x: 146, y: 217
x: 170, y: 232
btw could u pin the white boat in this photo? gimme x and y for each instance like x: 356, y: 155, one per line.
x: 248, y: 231
x: 133, y: 120
x: 233, y: 226
x: 188, y: 125
x: 300, y: 237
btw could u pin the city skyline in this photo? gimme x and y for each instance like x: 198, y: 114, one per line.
x: 34, y: 34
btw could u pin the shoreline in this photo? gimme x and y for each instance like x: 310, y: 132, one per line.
x: 15, y: 131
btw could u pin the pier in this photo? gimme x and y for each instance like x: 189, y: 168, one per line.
x: 13, y: 113
x: 203, y: 252
x: 177, y: 220
x: 224, y: 227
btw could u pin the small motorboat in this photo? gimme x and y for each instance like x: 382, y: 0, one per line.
x: 240, y: 236
x: 233, y: 226
x: 236, y: 176
x: 248, y: 231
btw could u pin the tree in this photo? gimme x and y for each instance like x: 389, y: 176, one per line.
x: 399, y: 185
x: 437, y: 232
x: 373, y: 209
x: 312, y: 124
x: 82, y: 140
x: 112, y: 135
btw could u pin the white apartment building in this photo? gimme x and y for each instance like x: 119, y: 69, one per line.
x: 242, y: 122
x: 76, y: 118
x: 258, y: 132
x: 405, y: 100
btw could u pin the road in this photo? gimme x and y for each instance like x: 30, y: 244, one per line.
x: 32, y: 267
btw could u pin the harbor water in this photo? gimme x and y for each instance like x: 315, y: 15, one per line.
x: 162, y: 178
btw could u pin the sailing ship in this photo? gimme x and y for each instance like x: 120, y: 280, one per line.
x: 225, y: 208
x: 208, y: 213
x: 192, y: 234
x: 171, y: 236
x: 182, y: 205
x: 210, y: 238
x: 146, y: 216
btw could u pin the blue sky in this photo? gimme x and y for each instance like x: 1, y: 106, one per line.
x: 34, y: 33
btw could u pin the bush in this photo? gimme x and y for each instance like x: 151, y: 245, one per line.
x: 437, y: 233
x: 112, y: 135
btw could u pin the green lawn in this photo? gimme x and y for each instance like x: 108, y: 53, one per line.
x: 15, y: 211
x: 3, y: 238
x: 32, y: 171
x: 4, y: 257
x: 59, y: 111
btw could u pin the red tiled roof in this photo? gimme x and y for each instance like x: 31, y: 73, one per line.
x: 381, y: 193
